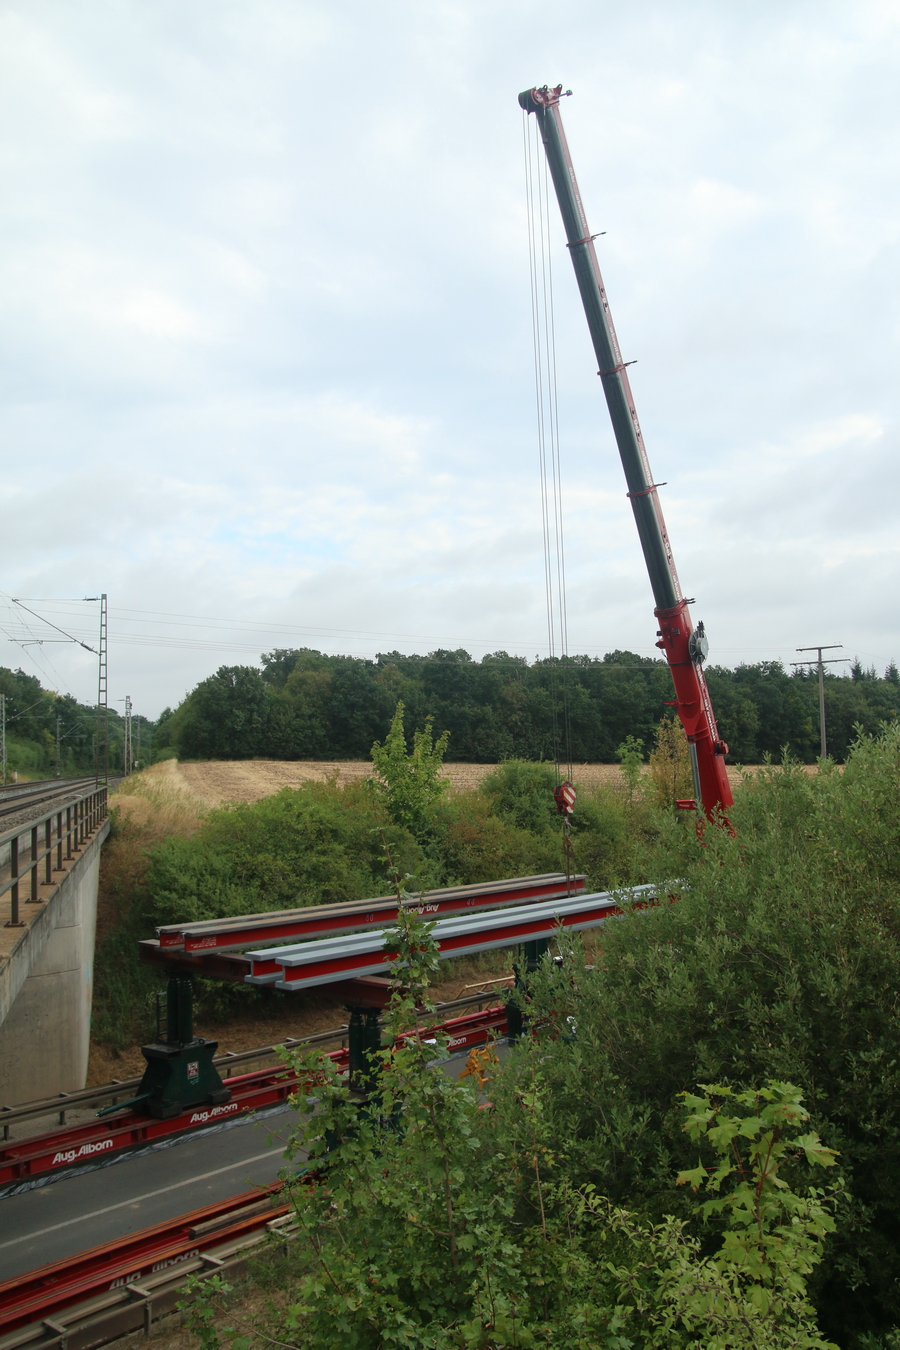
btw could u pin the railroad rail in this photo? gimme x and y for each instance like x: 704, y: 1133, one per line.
x: 62, y: 1102
x: 20, y: 796
x: 88, y: 1300
x: 355, y: 955
x: 27, y: 1159
x: 358, y: 955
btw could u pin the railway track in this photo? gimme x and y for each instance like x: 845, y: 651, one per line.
x: 21, y: 802
x: 18, y: 796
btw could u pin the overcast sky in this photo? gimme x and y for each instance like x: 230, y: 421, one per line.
x: 266, y: 327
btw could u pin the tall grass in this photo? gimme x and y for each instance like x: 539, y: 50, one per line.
x: 148, y: 808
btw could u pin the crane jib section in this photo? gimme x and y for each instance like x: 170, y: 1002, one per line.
x: 683, y: 646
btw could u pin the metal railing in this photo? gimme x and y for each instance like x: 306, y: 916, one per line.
x: 60, y: 834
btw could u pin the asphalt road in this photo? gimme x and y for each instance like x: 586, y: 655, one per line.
x: 78, y: 1212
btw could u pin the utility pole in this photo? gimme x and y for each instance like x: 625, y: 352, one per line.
x: 3, y: 732
x: 833, y: 661
x: 101, y: 744
x: 127, y: 747
x: 58, y: 720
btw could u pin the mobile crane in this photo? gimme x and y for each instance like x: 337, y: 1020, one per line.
x: 685, y: 647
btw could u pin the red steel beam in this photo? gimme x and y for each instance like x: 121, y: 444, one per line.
x: 212, y: 965
x: 250, y: 930
x: 519, y: 929
x: 81, y: 1144
x: 115, y: 1265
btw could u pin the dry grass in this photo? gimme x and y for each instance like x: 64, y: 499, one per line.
x: 148, y: 807
x: 249, y: 780
x: 215, y: 782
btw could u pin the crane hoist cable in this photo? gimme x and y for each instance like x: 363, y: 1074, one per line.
x: 540, y: 266
x: 547, y: 419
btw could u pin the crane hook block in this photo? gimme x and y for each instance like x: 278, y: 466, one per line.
x: 564, y: 796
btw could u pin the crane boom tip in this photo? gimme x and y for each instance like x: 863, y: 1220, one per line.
x: 541, y: 97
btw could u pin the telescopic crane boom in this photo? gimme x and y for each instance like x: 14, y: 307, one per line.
x: 685, y: 647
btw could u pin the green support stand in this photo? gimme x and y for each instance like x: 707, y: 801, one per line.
x: 180, y: 1072
x: 516, y: 1019
x: 363, y: 1041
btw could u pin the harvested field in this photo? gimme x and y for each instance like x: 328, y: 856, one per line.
x: 248, y: 780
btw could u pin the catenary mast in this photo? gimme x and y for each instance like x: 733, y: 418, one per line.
x: 685, y: 647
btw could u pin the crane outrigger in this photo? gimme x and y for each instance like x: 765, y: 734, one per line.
x: 685, y: 647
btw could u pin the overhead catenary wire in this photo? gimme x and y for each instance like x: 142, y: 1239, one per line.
x: 66, y: 639
x: 67, y: 636
x: 259, y: 634
x: 44, y: 664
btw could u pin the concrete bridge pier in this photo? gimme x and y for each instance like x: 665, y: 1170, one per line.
x: 46, y: 982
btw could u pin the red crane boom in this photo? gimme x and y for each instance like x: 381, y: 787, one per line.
x: 685, y: 647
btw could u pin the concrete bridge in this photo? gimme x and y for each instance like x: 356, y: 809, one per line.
x: 50, y: 856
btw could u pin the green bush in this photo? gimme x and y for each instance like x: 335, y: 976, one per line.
x: 521, y: 794
x: 610, y: 837
x: 469, y: 843
x: 780, y: 960
x: 321, y: 844
x: 318, y: 844
x: 428, y: 1222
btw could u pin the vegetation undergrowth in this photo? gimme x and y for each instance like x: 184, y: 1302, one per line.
x: 427, y: 1221
x: 169, y: 862
x: 780, y: 960
x: 689, y: 1050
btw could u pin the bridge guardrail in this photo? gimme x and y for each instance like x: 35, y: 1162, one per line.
x: 83, y: 816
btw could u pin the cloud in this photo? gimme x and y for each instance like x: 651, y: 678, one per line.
x: 266, y: 331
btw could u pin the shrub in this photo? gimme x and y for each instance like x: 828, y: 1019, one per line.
x: 521, y: 794
x: 670, y: 764
x: 314, y: 845
x: 409, y: 783
x: 428, y: 1222
x: 780, y: 960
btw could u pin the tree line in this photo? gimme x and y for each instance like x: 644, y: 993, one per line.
x: 303, y: 704
x: 31, y: 730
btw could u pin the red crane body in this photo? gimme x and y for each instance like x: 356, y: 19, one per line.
x: 685, y: 647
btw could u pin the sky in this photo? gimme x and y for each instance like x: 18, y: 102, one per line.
x: 265, y: 315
